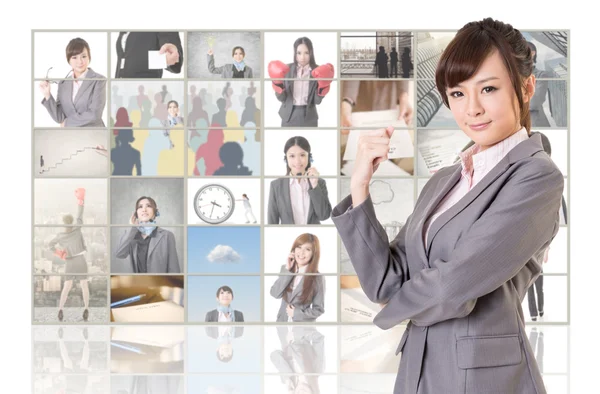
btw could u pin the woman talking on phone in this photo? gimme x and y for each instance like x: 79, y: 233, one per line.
x: 461, y: 265
x: 302, y: 296
x: 301, y: 198
x: 151, y: 249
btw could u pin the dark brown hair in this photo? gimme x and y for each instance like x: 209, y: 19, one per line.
x: 76, y: 46
x: 225, y: 289
x: 152, y: 204
x: 240, y: 48
x: 473, y: 43
x: 308, y: 284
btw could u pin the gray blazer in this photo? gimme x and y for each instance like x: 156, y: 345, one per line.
x: 287, y: 97
x: 86, y: 109
x: 213, y: 316
x: 225, y: 70
x: 462, y: 291
x: 280, y: 203
x: 162, y: 252
x: 302, y: 312
x: 72, y: 241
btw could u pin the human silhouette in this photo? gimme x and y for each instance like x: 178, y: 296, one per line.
x: 156, y: 142
x: 249, y: 111
x: 407, y: 65
x: 210, y: 151
x: 393, y: 63
x: 197, y: 112
x: 219, y: 118
x: 124, y: 156
x: 232, y: 157
x: 381, y: 62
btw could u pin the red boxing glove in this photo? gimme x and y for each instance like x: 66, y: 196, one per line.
x: 61, y: 254
x: 80, y: 195
x: 323, y: 71
x: 277, y: 70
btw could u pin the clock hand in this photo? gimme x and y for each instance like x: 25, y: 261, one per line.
x: 211, y: 211
x: 217, y: 204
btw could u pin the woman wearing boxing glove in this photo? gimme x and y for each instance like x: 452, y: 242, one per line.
x: 302, y: 296
x: 237, y: 69
x: 300, y: 197
x: 151, y: 249
x: 72, y: 249
x: 300, y: 97
x: 79, y: 103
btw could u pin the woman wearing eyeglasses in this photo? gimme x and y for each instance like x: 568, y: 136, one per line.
x: 78, y: 103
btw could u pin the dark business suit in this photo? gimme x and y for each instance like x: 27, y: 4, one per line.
x: 162, y: 252
x: 86, y: 110
x: 213, y: 316
x: 287, y: 101
x: 280, y: 203
x: 462, y: 290
x: 136, y: 54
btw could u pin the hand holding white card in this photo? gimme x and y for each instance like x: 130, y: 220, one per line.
x: 156, y: 61
x: 400, y: 145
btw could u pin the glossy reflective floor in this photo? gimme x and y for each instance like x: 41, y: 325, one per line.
x: 241, y: 359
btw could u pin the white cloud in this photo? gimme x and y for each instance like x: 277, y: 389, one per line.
x: 223, y: 254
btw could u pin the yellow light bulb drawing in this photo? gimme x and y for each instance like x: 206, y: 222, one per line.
x: 210, y: 40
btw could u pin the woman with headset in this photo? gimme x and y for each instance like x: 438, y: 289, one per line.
x: 151, y: 249
x: 302, y: 296
x: 78, y: 103
x: 300, y: 197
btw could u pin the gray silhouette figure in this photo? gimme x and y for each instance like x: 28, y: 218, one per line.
x: 232, y: 157
x: 219, y: 117
x: 123, y: 156
x: 41, y: 164
x: 249, y: 111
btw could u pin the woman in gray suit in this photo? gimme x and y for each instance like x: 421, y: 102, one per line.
x: 78, y: 103
x: 72, y: 250
x: 461, y: 265
x: 300, y: 200
x: 237, y: 69
x: 151, y: 249
x: 302, y: 296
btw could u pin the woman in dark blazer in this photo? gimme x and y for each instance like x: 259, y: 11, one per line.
x: 78, y: 103
x: 237, y: 69
x: 460, y: 267
x: 302, y: 296
x: 300, y: 97
x: 288, y: 197
x: 151, y: 249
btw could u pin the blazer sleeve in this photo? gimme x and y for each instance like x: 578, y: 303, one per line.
x: 320, y: 200
x: 522, y: 220
x: 317, y: 307
x: 283, y: 95
x: 272, y: 210
x: 172, y: 259
x: 54, y: 108
x: 207, y: 317
x: 316, y: 98
x: 211, y: 65
x: 381, y: 266
x: 94, y: 110
x: 241, y: 316
x: 79, y: 219
x: 52, y: 244
x: 282, y: 282
x: 172, y: 37
x: 124, y: 246
x: 250, y: 75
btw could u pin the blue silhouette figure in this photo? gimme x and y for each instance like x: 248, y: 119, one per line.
x: 123, y: 156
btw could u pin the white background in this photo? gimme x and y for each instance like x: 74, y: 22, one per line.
x: 330, y: 342
x: 332, y: 192
x: 16, y: 163
x: 50, y: 51
x: 279, y: 240
x: 273, y: 384
x: 555, y: 301
x: 237, y: 186
x: 113, y: 47
x: 327, y: 110
x: 321, y: 143
x: 330, y: 304
x: 280, y: 46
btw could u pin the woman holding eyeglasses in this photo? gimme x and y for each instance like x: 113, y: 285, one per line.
x: 78, y: 102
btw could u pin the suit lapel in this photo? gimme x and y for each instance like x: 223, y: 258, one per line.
x: 154, y: 241
x: 524, y: 149
x: 134, y: 257
x: 297, y: 290
x: 85, y: 85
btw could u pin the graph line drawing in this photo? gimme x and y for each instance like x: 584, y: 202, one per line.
x: 99, y: 149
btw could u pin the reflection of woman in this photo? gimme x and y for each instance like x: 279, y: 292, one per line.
x: 302, y: 296
x: 460, y: 266
x: 237, y: 69
x: 72, y: 250
x: 151, y: 249
x: 224, y: 311
x: 302, y: 352
x: 78, y: 103
x: 299, y: 98
x: 536, y: 107
x: 302, y: 198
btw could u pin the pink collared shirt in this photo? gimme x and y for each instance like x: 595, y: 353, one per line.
x: 301, y: 87
x: 300, y: 199
x: 77, y: 82
x: 475, y: 165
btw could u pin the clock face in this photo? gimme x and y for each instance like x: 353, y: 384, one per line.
x: 214, y: 203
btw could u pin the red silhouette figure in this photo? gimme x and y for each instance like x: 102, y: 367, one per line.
x: 210, y: 151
